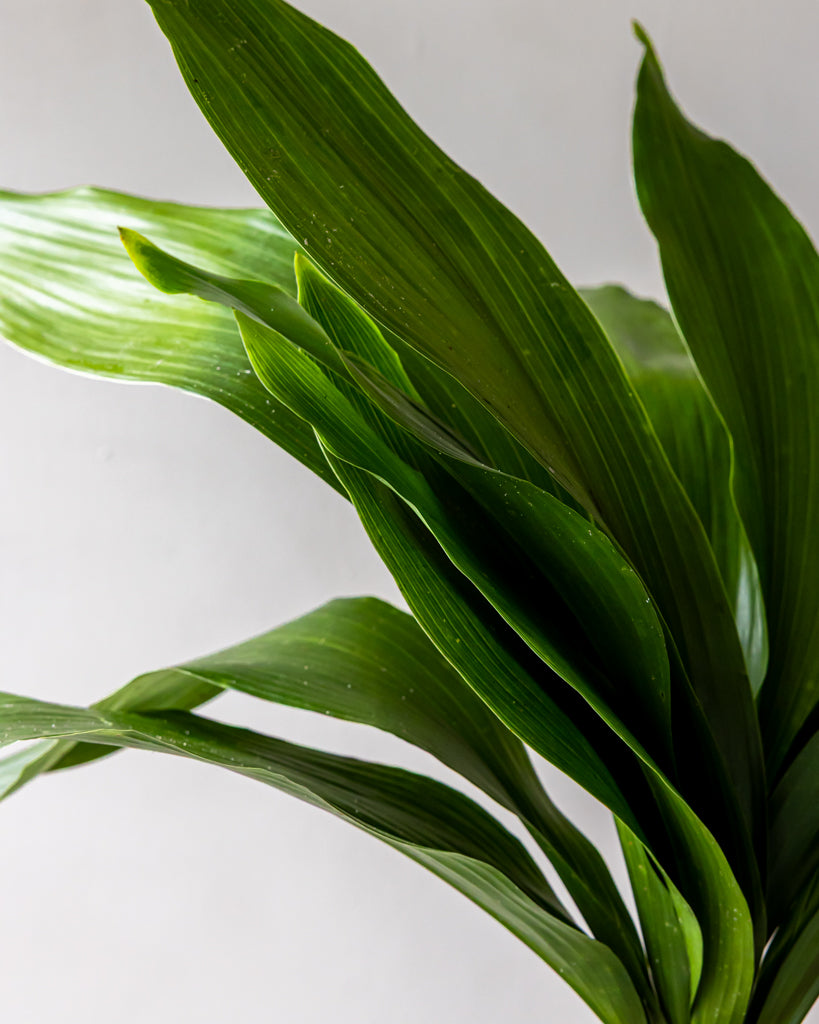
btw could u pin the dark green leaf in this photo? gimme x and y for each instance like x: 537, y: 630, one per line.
x: 788, y: 983
x: 743, y: 278
x: 794, y: 844
x: 562, y: 585
x: 696, y: 441
x: 559, y: 564
x: 728, y: 967
x: 532, y: 706
x: 664, y: 935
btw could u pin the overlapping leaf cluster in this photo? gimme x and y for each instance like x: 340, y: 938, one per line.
x: 601, y: 518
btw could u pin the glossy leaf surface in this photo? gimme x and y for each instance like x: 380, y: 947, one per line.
x: 433, y: 257
x: 728, y: 967
x: 469, y: 637
x: 743, y: 278
x: 432, y: 824
x: 71, y: 295
x: 663, y: 932
x: 696, y: 442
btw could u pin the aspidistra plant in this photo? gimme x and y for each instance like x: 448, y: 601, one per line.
x: 602, y: 515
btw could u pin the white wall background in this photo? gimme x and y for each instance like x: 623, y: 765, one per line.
x: 139, y: 526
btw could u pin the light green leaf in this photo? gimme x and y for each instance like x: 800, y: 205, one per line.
x: 360, y: 659
x: 743, y: 278
x: 269, y: 303
x: 691, y: 932
x: 69, y: 293
x: 426, y: 820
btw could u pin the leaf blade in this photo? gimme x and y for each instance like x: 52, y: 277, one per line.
x: 743, y: 278
x: 443, y: 265
x: 91, y: 311
x: 420, y: 817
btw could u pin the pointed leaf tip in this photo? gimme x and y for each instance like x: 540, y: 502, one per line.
x: 650, y: 57
x: 640, y: 34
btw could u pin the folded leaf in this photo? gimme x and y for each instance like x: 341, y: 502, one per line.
x: 426, y: 820
x: 519, y: 587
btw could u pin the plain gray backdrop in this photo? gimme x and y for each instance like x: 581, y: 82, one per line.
x: 140, y: 526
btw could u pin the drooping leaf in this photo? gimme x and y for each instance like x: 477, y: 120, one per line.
x: 426, y: 820
x: 433, y: 257
x: 743, y: 278
x: 91, y: 311
x: 364, y: 661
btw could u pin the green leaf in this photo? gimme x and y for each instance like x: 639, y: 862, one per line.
x: 794, y: 842
x: 522, y: 565
x: 432, y: 824
x: 434, y: 258
x: 490, y: 559
x: 697, y: 443
x: 743, y: 278
x: 362, y: 660
x: 581, y: 568
x: 565, y: 566
x: 151, y: 692
x: 527, y: 700
x: 268, y: 303
x: 788, y: 983
x: 665, y: 938
x: 691, y: 933
x: 728, y: 967
x: 91, y: 311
